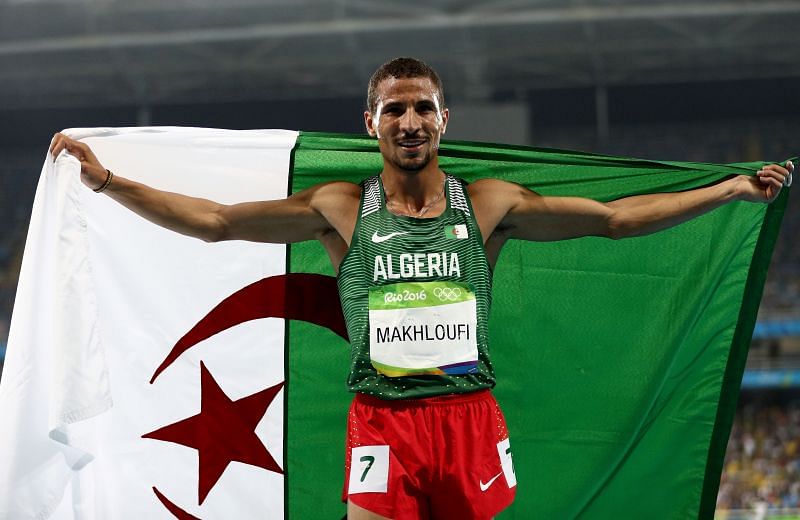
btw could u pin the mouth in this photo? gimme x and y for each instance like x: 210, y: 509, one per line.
x: 411, y: 145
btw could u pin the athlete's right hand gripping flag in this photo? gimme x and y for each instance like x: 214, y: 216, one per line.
x: 150, y: 375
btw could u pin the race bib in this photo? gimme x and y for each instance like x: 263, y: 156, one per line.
x: 423, y: 328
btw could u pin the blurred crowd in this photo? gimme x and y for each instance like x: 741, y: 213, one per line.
x: 782, y: 291
x: 762, y: 463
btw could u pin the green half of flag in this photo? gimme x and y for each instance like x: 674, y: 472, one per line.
x: 618, y: 362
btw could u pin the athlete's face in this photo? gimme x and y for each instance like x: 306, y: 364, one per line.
x: 408, y: 121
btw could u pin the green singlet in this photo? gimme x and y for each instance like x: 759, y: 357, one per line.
x: 416, y: 294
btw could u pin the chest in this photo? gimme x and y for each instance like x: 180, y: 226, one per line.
x: 394, y: 249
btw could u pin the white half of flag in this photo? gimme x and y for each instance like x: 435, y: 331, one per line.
x: 76, y: 397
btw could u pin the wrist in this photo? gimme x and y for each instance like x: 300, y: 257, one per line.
x: 738, y: 188
x: 106, y: 183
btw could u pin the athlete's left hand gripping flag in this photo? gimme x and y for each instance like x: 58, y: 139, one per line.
x: 102, y: 417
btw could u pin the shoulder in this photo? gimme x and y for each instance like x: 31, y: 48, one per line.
x: 496, y: 192
x: 494, y: 200
x: 337, y: 202
x: 332, y: 193
x: 338, y: 188
x: 491, y: 187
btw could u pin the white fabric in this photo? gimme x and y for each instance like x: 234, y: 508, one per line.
x: 103, y: 296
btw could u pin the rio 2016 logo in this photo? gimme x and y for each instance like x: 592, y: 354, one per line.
x: 405, y: 296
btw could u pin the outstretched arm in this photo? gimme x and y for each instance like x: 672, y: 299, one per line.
x: 512, y: 211
x: 303, y: 216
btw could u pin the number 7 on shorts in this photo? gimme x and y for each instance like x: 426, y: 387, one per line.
x: 369, y: 470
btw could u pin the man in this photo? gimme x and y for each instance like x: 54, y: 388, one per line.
x: 414, y: 250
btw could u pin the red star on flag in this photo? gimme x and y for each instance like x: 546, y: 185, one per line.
x: 223, y: 431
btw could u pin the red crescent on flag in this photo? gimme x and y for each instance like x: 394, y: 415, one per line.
x: 293, y: 296
x: 176, y: 511
x: 289, y: 296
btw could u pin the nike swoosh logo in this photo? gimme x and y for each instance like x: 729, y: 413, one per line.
x: 484, y: 487
x: 378, y: 239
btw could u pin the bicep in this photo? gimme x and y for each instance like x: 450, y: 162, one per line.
x: 280, y: 221
x: 541, y: 218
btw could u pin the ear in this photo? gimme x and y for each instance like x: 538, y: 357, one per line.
x: 445, y: 119
x: 370, y: 124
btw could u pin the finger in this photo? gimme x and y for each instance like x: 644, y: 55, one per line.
x: 61, y: 144
x: 54, y: 141
x: 58, y: 148
x: 772, y: 178
x: 89, y: 153
x: 71, y: 145
x: 777, y: 168
x: 772, y: 174
x: 81, y: 150
x: 790, y: 166
x: 76, y: 148
x: 85, y: 165
x: 57, y: 145
x: 771, y: 181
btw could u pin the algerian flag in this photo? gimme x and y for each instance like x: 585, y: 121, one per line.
x: 151, y: 375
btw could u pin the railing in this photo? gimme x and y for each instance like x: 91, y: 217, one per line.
x: 761, y: 512
x: 776, y: 328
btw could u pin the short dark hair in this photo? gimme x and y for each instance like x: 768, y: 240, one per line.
x: 401, y: 68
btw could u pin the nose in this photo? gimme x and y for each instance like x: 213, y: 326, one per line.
x: 410, y: 123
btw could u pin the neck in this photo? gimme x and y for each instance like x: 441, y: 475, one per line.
x: 414, y: 194
x: 413, y: 190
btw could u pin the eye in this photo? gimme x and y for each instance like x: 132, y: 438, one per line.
x: 392, y: 110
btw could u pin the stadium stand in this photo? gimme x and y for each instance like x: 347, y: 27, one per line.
x: 18, y: 178
x: 762, y: 466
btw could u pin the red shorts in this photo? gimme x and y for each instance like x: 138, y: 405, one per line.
x: 438, y: 457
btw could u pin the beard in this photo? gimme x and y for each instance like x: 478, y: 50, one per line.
x: 410, y: 164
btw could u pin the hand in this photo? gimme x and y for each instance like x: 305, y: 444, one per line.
x: 767, y: 183
x: 93, y: 174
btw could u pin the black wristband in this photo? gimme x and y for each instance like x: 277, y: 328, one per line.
x: 105, y: 184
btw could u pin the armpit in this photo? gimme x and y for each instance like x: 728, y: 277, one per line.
x: 495, y: 243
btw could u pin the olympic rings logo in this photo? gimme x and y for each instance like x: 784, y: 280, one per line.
x: 447, y: 293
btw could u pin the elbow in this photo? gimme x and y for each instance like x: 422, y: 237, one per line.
x: 211, y: 238
x: 216, y: 234
x: 216, y: 230
x: 617, y: 227
x: 615, y: 233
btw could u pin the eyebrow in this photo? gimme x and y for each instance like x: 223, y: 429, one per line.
x: 423, y: 102
x: 390, y: 104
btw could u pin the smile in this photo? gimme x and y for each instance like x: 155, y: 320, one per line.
x: 411, y: 144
